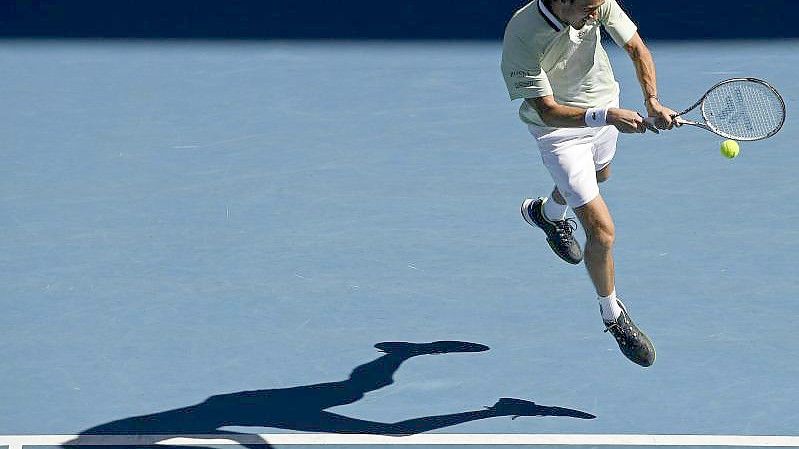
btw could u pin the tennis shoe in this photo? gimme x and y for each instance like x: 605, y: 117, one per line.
x: 633, y: 342
x: 560, y: 233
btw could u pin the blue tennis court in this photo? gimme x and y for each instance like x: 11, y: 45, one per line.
x: 245, y: 221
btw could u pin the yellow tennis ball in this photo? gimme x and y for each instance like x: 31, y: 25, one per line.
x: 730, y: 149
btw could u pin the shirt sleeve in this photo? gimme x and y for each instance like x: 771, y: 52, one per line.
x: 521, y: 68
x: 616, y: 22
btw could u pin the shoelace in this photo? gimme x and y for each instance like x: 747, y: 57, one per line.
x: 565, y: 228
x: 618, y: 336
x: 621, y: 332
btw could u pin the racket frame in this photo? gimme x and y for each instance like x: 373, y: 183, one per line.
x: 680, y: 121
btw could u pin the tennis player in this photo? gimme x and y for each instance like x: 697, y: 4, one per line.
x: 552, y: 57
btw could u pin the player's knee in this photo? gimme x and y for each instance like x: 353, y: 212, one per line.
x: 606, y: 238
x: 602, y: 235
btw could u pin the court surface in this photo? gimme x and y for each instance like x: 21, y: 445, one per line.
x: 184, y: 220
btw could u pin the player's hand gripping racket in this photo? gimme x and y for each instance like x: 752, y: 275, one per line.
x: 738, y: 109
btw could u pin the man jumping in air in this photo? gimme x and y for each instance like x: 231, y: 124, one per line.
x: 552, y: 57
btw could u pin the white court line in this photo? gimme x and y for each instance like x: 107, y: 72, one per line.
x: 20, y: 441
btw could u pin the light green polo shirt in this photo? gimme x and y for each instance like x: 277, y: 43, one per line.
x: 542, y: 56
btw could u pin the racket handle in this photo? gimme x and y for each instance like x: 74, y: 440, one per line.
x: 649, y: 122
x: 679, y: 121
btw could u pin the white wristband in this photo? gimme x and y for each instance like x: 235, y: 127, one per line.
x: 596, y: 117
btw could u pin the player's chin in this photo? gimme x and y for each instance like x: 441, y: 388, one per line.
x: 577, y: 24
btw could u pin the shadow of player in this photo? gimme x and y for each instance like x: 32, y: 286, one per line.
x: 303, y: 408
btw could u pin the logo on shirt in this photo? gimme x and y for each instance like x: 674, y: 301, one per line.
x: 521, y: 74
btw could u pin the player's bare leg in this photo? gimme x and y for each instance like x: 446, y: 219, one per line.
x: 600, y: 234
x: 598, y: 256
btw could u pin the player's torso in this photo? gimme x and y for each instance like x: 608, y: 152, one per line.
x: 578, y: 67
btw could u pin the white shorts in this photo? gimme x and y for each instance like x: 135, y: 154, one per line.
x: 573, y: 156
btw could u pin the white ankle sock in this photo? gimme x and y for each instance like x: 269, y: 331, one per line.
x: 609, y: 306
x: 555, y: 211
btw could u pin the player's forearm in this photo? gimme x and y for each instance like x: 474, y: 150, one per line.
x: 644, y: 68
x: 561, y: 116
x: 558, y: 115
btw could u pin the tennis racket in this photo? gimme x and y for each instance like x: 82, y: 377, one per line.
x: 738, y: 109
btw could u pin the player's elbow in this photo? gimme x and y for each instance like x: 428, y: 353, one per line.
x: 636, y: 47
x: 546, y: 107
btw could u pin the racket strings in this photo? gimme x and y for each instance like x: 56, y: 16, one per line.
x: 744, y: 110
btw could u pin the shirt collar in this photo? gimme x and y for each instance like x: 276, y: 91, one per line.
x: 549, y: 17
